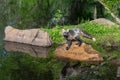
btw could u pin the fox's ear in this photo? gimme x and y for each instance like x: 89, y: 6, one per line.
x: 63, y: 30
x: 67, y: 30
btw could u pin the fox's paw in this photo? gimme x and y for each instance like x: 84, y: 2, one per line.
x: 67, y: 48
x: 77, y: 44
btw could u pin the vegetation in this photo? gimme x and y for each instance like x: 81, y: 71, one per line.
x: 53, y: 16
x: 15, y: 65
x: 39, y: 13
x: 100, y: 32
x: 113, y: 5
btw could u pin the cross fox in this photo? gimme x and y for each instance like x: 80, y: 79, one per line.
x: 74, y: 34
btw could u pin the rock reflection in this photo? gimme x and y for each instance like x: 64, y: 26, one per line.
x: 118, y: 72
x: 69, y: 71
x: 89, y: 72
x: 35, y: 51
x: 116, y: 62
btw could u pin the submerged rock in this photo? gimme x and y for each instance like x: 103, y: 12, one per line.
x: 116, y: 62
x: 78, y: 53
x: 30, y: 36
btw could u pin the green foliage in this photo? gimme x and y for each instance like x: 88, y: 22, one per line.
x: 56, y: 34
x: 94, y: 29
x: 113, y: 5
x: 57, y: 15
x: 25, y: 13
x: 36, y: 13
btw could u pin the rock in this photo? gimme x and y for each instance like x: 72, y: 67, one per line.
x: 104, y: 21
x: 110, y: 44
x: 29, y: 36
x: 115, y: 62
x: 78, y: 53
x: 35, y: 51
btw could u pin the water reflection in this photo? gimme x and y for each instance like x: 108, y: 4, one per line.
x: 116, y: 62
x: 35, y: 51
x: 24, y: 67
x: 101, y: 71
x: 118, y: 72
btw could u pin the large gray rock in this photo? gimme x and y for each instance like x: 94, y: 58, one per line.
x: 29, y: 36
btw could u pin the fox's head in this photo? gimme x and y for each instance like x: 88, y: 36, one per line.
x: 65, y: 33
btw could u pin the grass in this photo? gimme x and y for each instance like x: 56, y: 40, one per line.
x: 100, y: 32
x: 96, y: 30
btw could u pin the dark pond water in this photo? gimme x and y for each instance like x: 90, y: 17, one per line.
x: 26, y: 62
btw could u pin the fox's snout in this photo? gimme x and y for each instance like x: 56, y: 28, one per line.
x: 65, y: 34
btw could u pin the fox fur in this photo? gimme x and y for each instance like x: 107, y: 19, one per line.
x: 74, y: 34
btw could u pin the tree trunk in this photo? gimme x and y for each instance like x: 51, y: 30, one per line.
x: 112, y: 14
x: 95, y: 12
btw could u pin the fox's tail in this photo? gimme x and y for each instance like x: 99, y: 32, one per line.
x: 87, y: 35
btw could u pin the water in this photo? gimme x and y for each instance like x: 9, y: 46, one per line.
x: 24, y: 62
x: 35, y: 51
x: 27, y: 62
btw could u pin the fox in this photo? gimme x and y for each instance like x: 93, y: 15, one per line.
x: 74, y: 35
